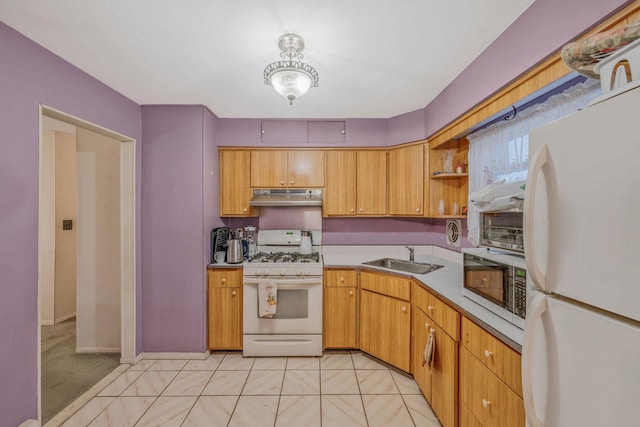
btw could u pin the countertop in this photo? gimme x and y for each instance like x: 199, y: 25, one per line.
x: 445, y: 282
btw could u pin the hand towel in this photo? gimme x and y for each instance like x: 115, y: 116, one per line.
x: 429, y: 350
x: 267, y: 297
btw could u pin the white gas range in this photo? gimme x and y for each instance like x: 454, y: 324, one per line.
x: 296, y: 327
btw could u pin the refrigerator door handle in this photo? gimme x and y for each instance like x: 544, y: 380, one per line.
x: 538, y: 160
x: 534, y: 314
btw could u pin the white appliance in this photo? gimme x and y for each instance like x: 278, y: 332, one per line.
x: 581, y: 352
x: 296, y: 328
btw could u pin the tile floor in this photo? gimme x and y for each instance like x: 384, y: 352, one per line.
x: 338, y: 389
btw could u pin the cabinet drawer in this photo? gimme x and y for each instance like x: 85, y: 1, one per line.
x: 495, y: 355
x: 446, y: 317
x: 487, y: 398
x: 340, y: 278
x: 225, y: 278
x: 392, y: 286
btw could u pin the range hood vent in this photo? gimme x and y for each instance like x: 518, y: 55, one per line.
x: 290, y: 197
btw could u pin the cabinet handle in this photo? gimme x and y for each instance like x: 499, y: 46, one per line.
x: 233, y: 293
x: 291, y: 182
x: 224, y: 280
x: 417, y: 209
x: 430, y: 308
x: 244, y: 210
x: 342, y: 279
x: 352, y: 210
x: 488, y: 354
x: 361, y: 210
x: 404, y: 308
x: 281, y: 182
x: 485, y: 403
x: 426, y: 325
x: 350, y: 292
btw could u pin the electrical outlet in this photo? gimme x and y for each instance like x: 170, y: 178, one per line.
x: 67, y: 224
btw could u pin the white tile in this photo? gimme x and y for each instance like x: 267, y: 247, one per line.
x: 188, y: 383
x: 336, y: 361
x: 168, y: 365
x: 340, y: 381
x: 298, y: 411
x: 361, y: 361
x: 125, y: 411
x: 264, y: 383
x: 167, y: 411
x: 386, y: 411
x: 269, y: 363
x: 420, y: 411
x: 301, y: 382
x: 376, y: 382
x: 405, y: 384
x: 150, y: 383
x: 121, y: 383
x: 303, y: 363
x: 211, y: 411
x: 226, y: 383
x: 255, y: 411
x: 235, y: 362
x: 142, y: 365
x: 342, y: 411
x: 211, y: 363
x: 88, y: 412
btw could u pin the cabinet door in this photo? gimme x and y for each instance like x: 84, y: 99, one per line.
x: 306, y: 169
x: 420, y: 336
x: 340, y: 186
x: 339, y: 317
x: 385, y: 329
x: 225, y: 318
x: 444, y: 384
x: 235, y: 185
x: 406, y: 181
x: 372, y: 183
x: 268, y: 169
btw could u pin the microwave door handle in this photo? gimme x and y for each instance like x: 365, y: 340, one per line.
x: 538, y: 160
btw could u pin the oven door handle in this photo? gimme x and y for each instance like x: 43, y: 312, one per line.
x: 287, y: 283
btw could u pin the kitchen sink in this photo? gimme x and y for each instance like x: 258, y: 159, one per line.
x: 403, y: 265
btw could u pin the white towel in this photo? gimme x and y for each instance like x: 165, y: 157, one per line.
x: 429, y: 350
x: 267, y: 297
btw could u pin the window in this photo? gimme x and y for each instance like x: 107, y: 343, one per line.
x: 499, y: 153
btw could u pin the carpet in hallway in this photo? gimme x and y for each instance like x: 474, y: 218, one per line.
x: 66, y: 375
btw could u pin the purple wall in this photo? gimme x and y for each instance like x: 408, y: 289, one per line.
x: 542, y: 29
x: 178, y: 172
x: 407, y: 127
x: 30, y: 75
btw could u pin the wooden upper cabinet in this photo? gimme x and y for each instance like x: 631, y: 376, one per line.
x: 287, y: 169
x: 371, y: 179
x: 340, y: 186
x: 235, y: 188
x: 407, y: 181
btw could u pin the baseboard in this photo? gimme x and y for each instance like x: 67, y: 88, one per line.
x: 161, y: 356
x: 63, y: 318
x: 98, y: 350
x: 131, y: 360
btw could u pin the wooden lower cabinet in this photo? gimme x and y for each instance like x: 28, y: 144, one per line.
x: 385, y: 329
x: 225, y: 309
x: 340, y: 309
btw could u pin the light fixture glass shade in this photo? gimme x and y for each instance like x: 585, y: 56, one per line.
x: 291, y: 77
x: 291, y: 83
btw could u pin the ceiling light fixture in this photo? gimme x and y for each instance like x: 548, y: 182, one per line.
x: 291, y: 77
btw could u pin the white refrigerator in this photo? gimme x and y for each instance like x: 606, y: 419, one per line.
x: 581, y: 350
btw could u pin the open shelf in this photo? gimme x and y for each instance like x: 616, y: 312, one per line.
x: 449, y: 175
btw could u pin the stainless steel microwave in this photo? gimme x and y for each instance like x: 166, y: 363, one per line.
x: 497, y: 281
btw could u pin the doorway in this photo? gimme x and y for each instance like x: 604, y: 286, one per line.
x: 86, y: 252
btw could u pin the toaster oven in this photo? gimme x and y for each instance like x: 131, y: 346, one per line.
x: 502, y: 230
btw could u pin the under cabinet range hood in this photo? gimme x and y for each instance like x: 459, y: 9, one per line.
x: 288, y: 197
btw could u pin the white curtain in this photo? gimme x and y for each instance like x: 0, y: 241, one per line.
x: 500, y: 152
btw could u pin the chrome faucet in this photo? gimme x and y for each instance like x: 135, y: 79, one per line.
x: 411, y: 252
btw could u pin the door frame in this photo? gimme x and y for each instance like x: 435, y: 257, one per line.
x: 127, y: 236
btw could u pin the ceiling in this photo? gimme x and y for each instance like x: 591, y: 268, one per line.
x: 375, y: 58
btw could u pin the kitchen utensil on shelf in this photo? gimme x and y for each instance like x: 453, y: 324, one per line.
x: 234, y: 251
